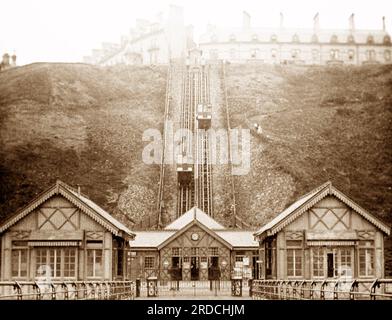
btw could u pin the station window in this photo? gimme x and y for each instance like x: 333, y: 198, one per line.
x: 239, y: 258
x: 194, y: 251
x: 214, y: 251
x: 294, y: 254
x: 56, y: 262
x: 203, y: 259
x: 94, y: 263
x: 314, y: 38
x: 350, y: 39
x: 387, y: 39
x: 176, y: 251
x: 214, y: 38
x: 19, y: 263
x: 232, y: 37
x: 274, y: 38
x: 366, y: 258
x: 149, y: 262
x: 255, y: 37
x: 318, y: 262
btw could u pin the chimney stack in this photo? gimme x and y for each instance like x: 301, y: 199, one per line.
x: 316, y: 23
x: 245, y: 20
x: 383, y: 24
x: 351, y: 22
x: 281, y: 20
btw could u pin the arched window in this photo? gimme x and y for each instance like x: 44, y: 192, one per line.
x: 371, y: 55
x: 274, y: 38
x: 350, y: 39
x: 314, y: 38
x: 255, y: 37
x: 370, y: 39
x: 334, y: 38
x: 351, y: 55
x: 387, y: 55
x: 232, y: 37
x: 387, y: 39
x: 315, y: 55
x: 334, y: 54
x: 295, y: 53
x: 295, y: 38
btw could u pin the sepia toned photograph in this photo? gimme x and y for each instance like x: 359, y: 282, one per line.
x: 195, y: 150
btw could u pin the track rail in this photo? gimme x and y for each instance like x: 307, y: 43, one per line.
x: 160, y: 204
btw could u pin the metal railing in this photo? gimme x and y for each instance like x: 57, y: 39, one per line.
x: 67, y: 290
x: 356, y: 289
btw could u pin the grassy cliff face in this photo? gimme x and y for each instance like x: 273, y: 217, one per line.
x: 81, y: 124
x: 318, y: 124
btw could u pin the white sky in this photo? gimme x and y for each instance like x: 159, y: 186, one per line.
x: 66, y: 30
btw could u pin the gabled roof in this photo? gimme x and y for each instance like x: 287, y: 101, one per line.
x: 83, y: 203
x: 238, y: 238
x: 230, y: 238
x: 193, y: 222
x: 309, y: 200
x: 194, y: 214
x: 150, y: 239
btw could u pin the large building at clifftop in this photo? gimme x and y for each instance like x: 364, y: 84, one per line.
x: 297, y: 46
x: 169, y: 39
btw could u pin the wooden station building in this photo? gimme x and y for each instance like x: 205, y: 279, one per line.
x: 63, y: 235
x: 194, y: 247
x: 322, y: 235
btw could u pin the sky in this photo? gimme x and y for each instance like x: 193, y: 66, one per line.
x: 67, y: 30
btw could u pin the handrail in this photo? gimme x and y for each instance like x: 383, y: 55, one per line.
x: 323, y: 289
x: 66, y: 290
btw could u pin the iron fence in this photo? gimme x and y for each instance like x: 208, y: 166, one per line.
x: 67, y: 290
x: 359, y: 289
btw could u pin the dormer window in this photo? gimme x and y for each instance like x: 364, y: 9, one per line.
x: 350, y: 39
x: 370, y: 40
x: 314, y: 38
x: 232, y: 37
x: 295, y: 38
x: 334, y: 38
x: 274, y: 38
x: 387, y: 39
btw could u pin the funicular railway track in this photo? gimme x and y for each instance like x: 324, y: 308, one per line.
x: 194, y: 165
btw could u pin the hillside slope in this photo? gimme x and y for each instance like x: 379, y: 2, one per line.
x: 81, y: 124
x: 318, y: 124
